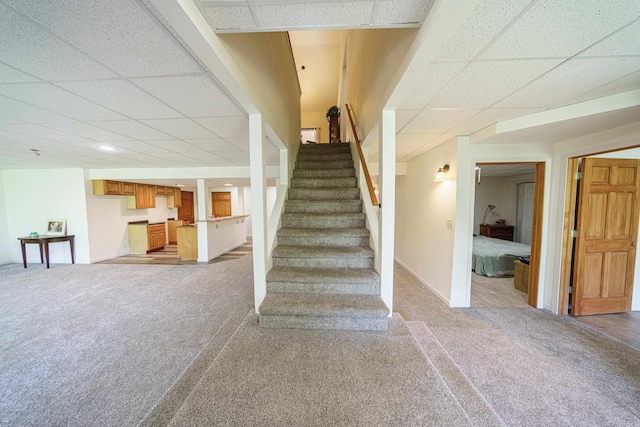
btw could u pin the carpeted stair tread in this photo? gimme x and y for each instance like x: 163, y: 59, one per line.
x: 323, y: 206
x: 322, y: 252
x: 324, y: 173
x: 333, y: 182
x: 323, y: 220
x: 319, y: 164
x: 312, y: 232
x: 323, y: 193
x: 323, y: 305
x: 323, y: 275
x: 324, y: 157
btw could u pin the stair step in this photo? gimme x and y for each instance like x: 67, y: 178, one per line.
x: 324, y: 173
x: 349, y: 182
x: 328, y: 147
x: 323, y: 206
x: 324, y: 193
x: 314, y: 156
x: 296, y: 280
x: 323, y: 257
x: 323, y: 220
x: 323, y: 237
x: 310, y: 311
x: 336, y: 164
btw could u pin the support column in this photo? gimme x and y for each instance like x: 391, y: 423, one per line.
x: 203, y: 235
x: 258, y: 172
x: 386, y: 234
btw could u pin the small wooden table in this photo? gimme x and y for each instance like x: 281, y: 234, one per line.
x: 44, y: 241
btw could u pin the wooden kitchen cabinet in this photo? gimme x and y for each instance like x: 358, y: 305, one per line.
x: 161, y: 190
x: 103, y: 187
x: 172, y: 225
x: 128, y: 189
x: 174, y: 198
x: 145, y: 197
x: 144, y: 237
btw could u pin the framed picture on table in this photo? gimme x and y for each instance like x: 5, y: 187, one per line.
x: 56, y: 227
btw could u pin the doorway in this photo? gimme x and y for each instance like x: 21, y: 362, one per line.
x: 186, y: 209
x: 600, y: 233
x: 507, y: 224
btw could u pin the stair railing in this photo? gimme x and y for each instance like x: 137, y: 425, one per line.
x: 363, y: 162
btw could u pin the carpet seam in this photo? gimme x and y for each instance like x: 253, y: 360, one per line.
x: 212, y: 362
x: 462, y: 373
x: 437, y: 371
x: 195, y: 359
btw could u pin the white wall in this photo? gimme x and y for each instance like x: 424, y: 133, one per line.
x: 271, y: 200
x: 423, y: 242
x: 490, y: 191
x: 5, y: 255
x: 33, y: 196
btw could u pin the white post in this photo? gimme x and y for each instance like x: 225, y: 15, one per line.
x: 258, y: 207
x: 203, y: 235
x: 386, y: 235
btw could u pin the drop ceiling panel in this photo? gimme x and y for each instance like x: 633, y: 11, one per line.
x: 11, y: 75
x: 490, y: 116
x: 132, y: 129
x: 210, y: 159
x: 86, y: 130
x: 211, y: 145
x: 570, y: 80
x: 624, y: 42
x: 240, y: 143
x: 403, y: 117
x: 4, y: 119
x: 120, y: 33
x: 174, y: 145
x: 577, y: 23
x: 435, y: 77
x: 433, y: 121
x: 42, y: 132
x: 25, y: 112
x: 196, y: 96
x: 227, y: 127
x: 486, y: 20
x: 624, y: 84
x: 481, y: 84
x: 415, y: 140
x: 335, y: 14
x: 180, y: 128
x: 53, y: 98
x: 123, y: 97
x: 237, y: 157
x: 229, y: 18
x: 48, y: 57
x: 138, y: 146
x: 402, y: 11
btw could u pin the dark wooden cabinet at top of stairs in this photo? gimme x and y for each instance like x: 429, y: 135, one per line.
x: 322, y: 275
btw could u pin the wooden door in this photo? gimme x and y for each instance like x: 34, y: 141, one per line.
x: 220, y: 204
x: 186, y: 211
x: 607, y: 230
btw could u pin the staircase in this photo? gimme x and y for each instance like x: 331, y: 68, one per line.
x: 322, y: 275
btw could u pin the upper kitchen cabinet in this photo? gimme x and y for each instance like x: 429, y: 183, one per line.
x: 103, y: 187
x: 145, y: 197
x: 174, y: 197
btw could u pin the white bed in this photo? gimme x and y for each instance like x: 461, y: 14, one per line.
x: 494, y: 257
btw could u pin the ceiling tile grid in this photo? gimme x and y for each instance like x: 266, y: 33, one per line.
x: 481, y: 84
x: 42, y: 132
x: 623, y: 42
x: 50, y: 97
x: 229, y: 18
x: 433, y: 121
x: 333, y: 14
x: 122, y: 96
x: 485, y: 21
x: 179, y: 128
x: 118, y: 33
x: 570, y: 80
x: 576, y: 23
x: 11, y: 75
x: 490, y: 116
x: 436, y: 76
x: 196, y: 96
x: 27, y: 113
x: 623, y: 84
x: 131, y: 129
x: 224, y: 127
x: 86, y: 130
x: 393, y: 12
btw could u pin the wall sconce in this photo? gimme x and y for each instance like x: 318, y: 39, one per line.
x: 441, y: 175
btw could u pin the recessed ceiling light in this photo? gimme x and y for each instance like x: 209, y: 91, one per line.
x: 228, y: 185
x: 107, y: 148
x: 181, y: 185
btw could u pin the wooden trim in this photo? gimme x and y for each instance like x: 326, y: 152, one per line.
x: 363, y: 163
x: 536, y: 234
x: 567, y: 240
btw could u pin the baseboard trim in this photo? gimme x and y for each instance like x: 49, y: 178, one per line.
x: 424, y: 283
x: 224, y: 251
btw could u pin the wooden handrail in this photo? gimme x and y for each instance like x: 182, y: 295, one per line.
x: 363, y: 163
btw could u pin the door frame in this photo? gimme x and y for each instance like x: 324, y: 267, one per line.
x: 570, y: 211
x: 536, y: 234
